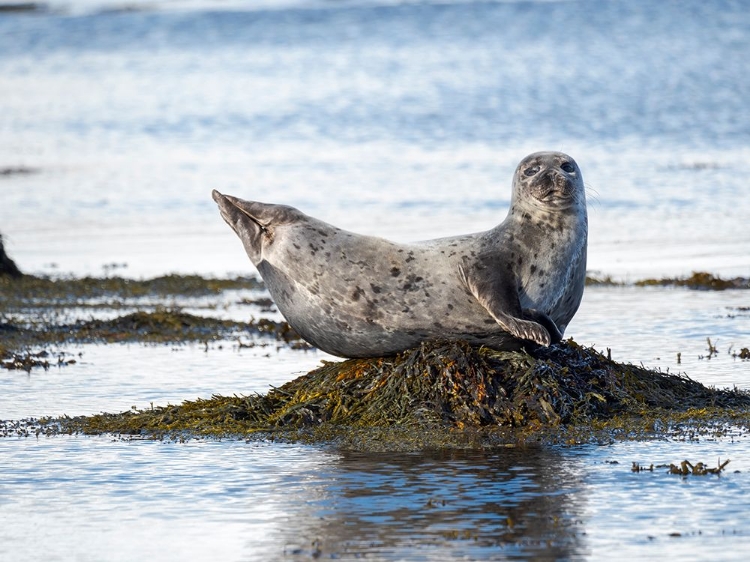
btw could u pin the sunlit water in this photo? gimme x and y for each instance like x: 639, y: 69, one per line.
x: 404, y: 120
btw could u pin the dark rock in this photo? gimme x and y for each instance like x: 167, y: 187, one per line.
x: 7, y: 265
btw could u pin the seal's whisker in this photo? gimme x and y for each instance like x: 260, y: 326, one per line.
x: 591, y: 193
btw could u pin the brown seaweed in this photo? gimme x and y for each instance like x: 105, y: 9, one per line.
x: 698, y: 280
x: 444, y: 394
x: 163, y: 325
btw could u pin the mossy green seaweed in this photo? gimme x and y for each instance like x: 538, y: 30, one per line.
x: 32, y: 314
x: 34, y: 291
x: 447, y: 393
x: 164, y: 325
x: 698, y: 280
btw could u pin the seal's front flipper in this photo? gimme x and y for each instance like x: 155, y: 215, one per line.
x: 546, y: 321
x: 500, y: 297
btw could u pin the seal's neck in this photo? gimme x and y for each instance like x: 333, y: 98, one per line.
x: 533, y: 214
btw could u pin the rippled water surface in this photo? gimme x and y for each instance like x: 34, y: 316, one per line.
x: 404, y: 120
x: 399, y: 119
x: 94, y: 498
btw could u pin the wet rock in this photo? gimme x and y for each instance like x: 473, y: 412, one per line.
x: 16, y: 8
x: 7, y: 266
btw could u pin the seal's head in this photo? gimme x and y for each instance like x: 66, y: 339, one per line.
x: 549, y: 180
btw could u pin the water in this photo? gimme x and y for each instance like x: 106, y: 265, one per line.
x: 404, y: 120
x: 399, y: 119
x: 94, y: 498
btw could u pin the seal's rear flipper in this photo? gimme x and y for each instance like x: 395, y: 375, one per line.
x: 237, y: 214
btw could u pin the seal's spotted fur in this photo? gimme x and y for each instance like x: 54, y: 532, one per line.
x: 362, y: 296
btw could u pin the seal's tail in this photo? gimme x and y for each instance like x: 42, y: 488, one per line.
x: 254, y: 222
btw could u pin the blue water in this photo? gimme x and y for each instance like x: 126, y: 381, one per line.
x: 419, y: 73
x: 98, y: 499
x: 404, y: 120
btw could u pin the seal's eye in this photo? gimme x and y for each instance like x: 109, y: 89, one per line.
x: 568, y: 167
x: 531, y: 171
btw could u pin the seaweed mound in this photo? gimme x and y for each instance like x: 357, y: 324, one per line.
x: 439, y: 385
x: 453, y: 384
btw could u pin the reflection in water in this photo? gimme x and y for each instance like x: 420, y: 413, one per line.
x: 98, y: 498
x: 95, y: 498
x: 464, y: 503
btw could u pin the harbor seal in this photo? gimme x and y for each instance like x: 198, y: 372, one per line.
x: 515, y: 285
